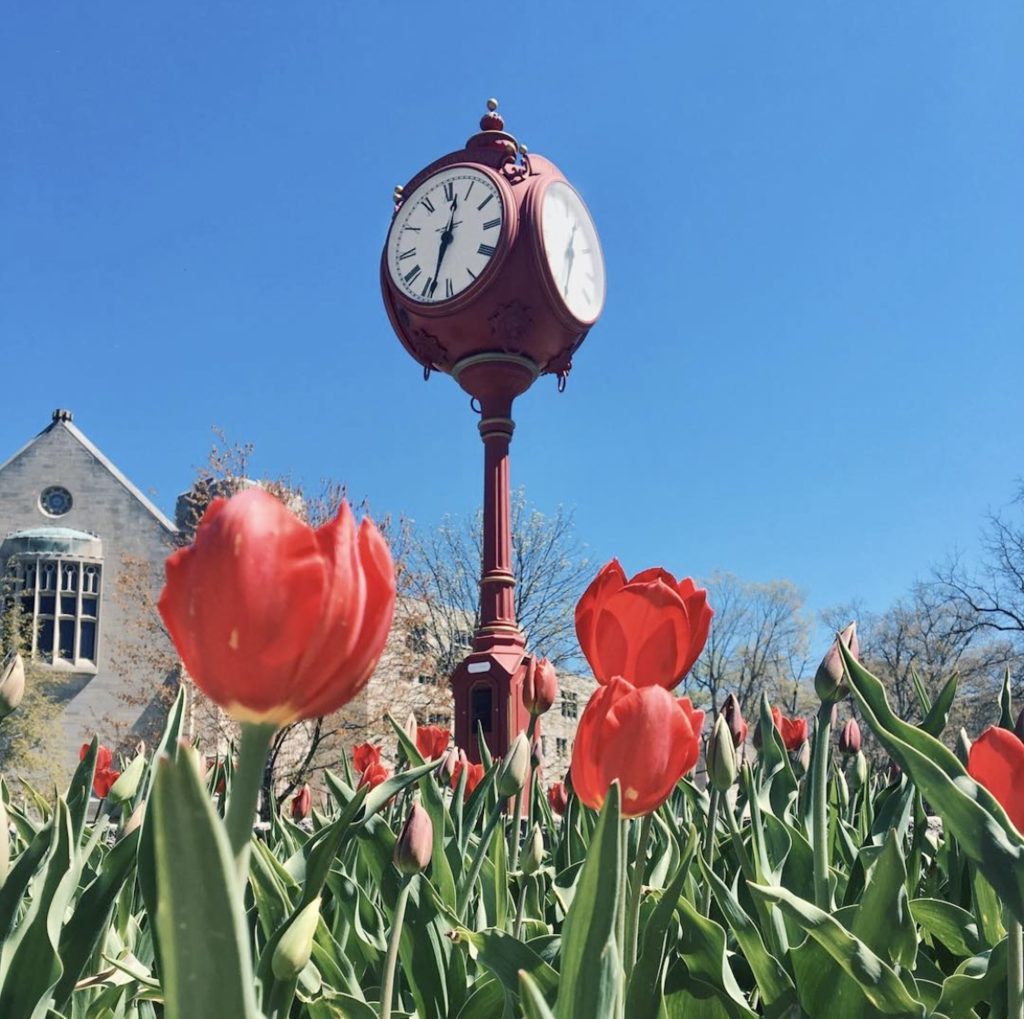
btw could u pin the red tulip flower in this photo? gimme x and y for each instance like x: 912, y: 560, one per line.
x: 373, y: 776
x: 276, y: 621
x: 540, y: 686
x: 365, y: 754
x: 642, y: 736
x: 104, y: 774
x: 648, y: 630
x: 558, y: 798
x: 474, y: 776
x: 302, y: 803
x: 996, y: 761
x: 792, y: 730
x: 432, y: 741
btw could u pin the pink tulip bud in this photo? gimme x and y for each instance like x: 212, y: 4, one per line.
x: 849, y: 738
x: 738, y: 728
x: 540, y: 686
x: 302, y: 803
x: 415, y: 843
x: 536, y: 753
x: 12, y: 683
x: 830, y: 679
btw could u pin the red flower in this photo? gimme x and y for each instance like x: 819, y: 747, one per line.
x: 103, y: 776
x: 273, y: 620
x: 792, y: 730
x: 558, y: 798
x: 302, y: 803
x: 432, y: 741
x: 373, y: 776
x: 540, y: 686
x: 365, y: 754
x: 642, y: 736
x: 996, y: 761
x: 696, y: 720
x: 649, y: 630
x: 474, y: 775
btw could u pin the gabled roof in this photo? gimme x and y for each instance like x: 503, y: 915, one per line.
x: 63, y: 419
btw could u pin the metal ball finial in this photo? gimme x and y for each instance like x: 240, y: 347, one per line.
x: 492, y: 104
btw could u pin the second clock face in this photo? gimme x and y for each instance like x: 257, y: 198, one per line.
x: 445, y: 234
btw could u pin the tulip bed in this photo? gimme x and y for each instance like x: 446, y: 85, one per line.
x: 600, y: 916
x: 791, y: 885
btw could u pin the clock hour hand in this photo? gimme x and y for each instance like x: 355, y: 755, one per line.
x: 446, y: 239
x: 570, y: 256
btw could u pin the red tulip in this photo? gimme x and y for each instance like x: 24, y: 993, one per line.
x: 649, y: 630
x: 432, y: 741
x: 302, y: 803
x: 365, y: 754
x: 996, y: 761
x: 558, y: 798
x: 642, y: 736
x: 696, y: 720
x: 474, y: 776
x: 104, y: 775
x: 373, y: 776
x: 273, y: 620
x: 540, y: 686
x: 792, y: 730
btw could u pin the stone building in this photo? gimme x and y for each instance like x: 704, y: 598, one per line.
x: 83, y: 551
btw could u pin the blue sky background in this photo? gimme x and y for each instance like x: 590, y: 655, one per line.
x: 811, y: 357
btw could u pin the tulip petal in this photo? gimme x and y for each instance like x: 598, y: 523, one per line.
x: 608, y: 580
x: 996, y: 761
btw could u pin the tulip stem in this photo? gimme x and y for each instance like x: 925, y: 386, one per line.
x: 466, y: 891
x: 708, y: 849
x: 819, y: 806
x: 1014, y: 970
x: 388, y: 988
x: 245, y: 792
x: 521, y: 907
x: 517, y: 812
x: 636, y: 879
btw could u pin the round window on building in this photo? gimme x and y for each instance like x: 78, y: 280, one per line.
x: 55, y: 501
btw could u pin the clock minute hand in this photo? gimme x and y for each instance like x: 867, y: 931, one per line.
x: 446, y: 239
x: 570, y: 257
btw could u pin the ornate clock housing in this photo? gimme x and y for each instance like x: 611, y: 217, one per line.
x: 492, y: 252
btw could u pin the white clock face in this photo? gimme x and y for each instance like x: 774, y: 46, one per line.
x: 445, y: 234
x: 573, y: 251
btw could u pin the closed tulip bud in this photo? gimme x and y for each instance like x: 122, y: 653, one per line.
x: 12, y: 683
x: 830, y: 679
x: 514, y: 768
x: 849, y: 738
x: 415, y: 844
x: 558, y: 798
x: 738, y: 727
x: 296, y: 945
x: 411, y: 726
x: 302, y: 803
x: 448, y: 762
x: 540, y: 686
x: 802, y: 758
x: 842, y: 789
x: 859, y: 775
x: 537, y: 753
x: 135, y: 821
x: 721, y: 756
x: 533, y: 852
x: 127, y: 783
x: 963, y: 746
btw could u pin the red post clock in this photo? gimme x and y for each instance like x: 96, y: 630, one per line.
x: 492, y: 273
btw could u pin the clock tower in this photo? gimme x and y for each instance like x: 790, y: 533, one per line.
x: 492, y: 273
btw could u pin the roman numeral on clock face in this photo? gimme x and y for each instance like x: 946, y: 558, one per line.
x: 427, y: 203
x: 492, y: 223
x: 407, y: 254
x: 485, y: 249
x: 449, y: 191
x: 412, y: 274
x: 449, y: 290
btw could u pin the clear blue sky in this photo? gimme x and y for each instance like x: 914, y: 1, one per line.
x: 811, y: 358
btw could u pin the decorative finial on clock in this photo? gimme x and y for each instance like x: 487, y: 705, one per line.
x: 492, y: 120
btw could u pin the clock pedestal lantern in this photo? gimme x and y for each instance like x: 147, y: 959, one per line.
x: 492, y: 273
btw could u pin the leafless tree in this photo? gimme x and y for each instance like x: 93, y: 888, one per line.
x: 758, y: 642
x: 991, y: 597
x: 444, y: 573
